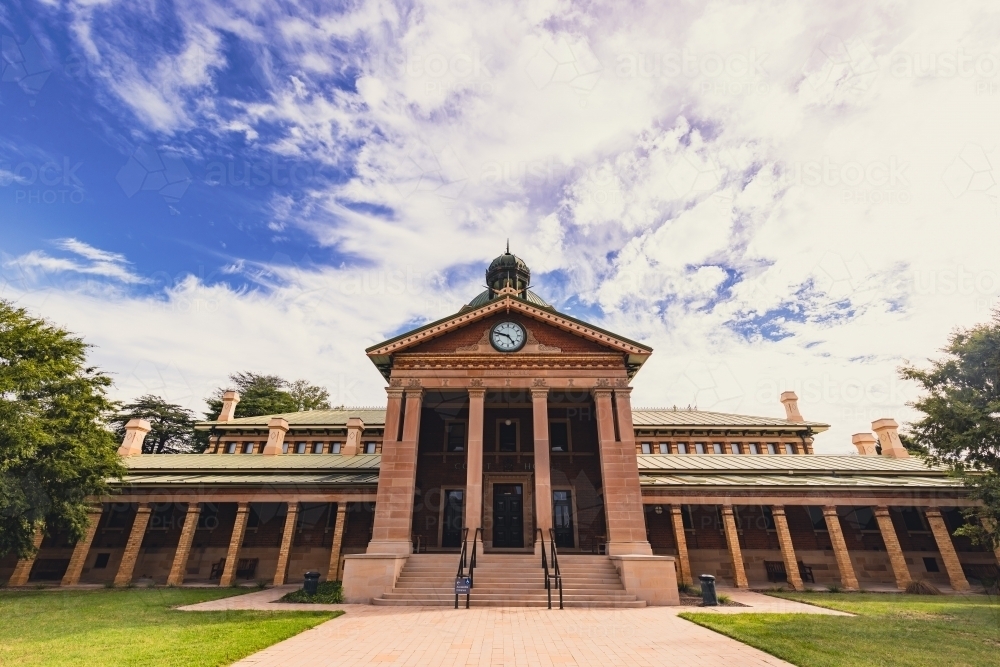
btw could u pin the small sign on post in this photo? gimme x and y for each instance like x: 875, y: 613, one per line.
x: 462, y: 585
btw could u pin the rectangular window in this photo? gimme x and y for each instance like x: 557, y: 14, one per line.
x: 682, y: 448
x: 754, y: 448
x: 647, y: 448
x: 300, y: 448
x: 253, y: 519
x: 559, y: 436
x: 863, y: 518
x: 508, y: 436
x: 664, y: 448
x: 816, y: 516
x: 716, y: 447
x: 912, y: 519
x: 231, y: 448
x: 699, y: 448
x: 102, y: 561
x: 369, y: 448
x: 284, y: 448
x: 772, y: 448
x: 317, y: 448
x: 930, y: 564
x: 789, y: 449
x: 455, y: 436
x: 768, y: 517
x: 737, y: 448
x: 335, y: 448
x: 248, y: 448
x: 686, y: 517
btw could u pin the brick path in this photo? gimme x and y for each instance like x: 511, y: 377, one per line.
x: 426, y: 636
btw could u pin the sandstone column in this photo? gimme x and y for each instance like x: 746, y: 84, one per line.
x: 787, y: 548
x: 733, y: 541
x: 287, y: 538
x: 82, y: 548
x: 680, y: 536
x: 131, y: 555
x: 474, y: 462
x: 620, y: 475
x: 23, y: 568
x: 392, y: 530
x: 333, y: 572
x: 896, y: 559
x: 848, y: 579
x: 178, y: 568
x: 947, y: 548
x: 235, y: 541
x: 543, y: 468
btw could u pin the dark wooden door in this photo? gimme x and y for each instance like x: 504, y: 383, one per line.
x: 562, y: 509
x: 454, y: 509
x: 508, y: 516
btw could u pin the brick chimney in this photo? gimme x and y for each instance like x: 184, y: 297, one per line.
x: 865, y: 442
x: 887, y: 431
x: 276, y: 430
x: 355, y: 427
x: 135, y: 433
x: 229, y: 401
x: 791, y: 402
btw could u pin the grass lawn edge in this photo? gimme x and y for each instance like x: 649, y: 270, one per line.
x: 695, y: 617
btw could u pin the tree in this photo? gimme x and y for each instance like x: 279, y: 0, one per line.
x: 172, y: 425
x: 54, y: 449
x: 308, y: 396
x: 961, y: 423
x: 259, y: 395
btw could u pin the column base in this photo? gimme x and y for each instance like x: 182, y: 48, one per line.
x: 630, y: 549
x: 368, y: 576
x: 649, y: 578
x: 397, y: 547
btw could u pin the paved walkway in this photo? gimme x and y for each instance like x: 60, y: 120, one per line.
x: 429, y: 636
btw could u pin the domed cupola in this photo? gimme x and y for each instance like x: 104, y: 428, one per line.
x: 508, y: 269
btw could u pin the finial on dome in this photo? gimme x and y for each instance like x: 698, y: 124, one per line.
x: 508, y: 246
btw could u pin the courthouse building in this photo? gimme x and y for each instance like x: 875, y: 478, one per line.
x: 508, y: 429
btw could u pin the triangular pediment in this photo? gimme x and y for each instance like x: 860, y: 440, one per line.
x: 549, y: 332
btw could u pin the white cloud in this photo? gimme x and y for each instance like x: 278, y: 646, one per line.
x: 37, y: 264
x: 707, y: 176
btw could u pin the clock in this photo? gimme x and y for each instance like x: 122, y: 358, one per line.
x: 508, y: 336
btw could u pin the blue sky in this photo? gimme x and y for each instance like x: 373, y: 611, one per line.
x: 773, y: 195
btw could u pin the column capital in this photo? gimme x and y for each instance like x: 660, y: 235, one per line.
x: 778, y: 510
x: 539, y: 391
x: 478, y: 392
x: 624, y: 391
x: 829, y: 510
x: 933, y: 511
x: 881, y: 509
x: 394, y: 392
x: 727, y: 509
x: 602, y: 391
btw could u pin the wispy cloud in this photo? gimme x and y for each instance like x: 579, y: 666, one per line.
x: 99, y: 263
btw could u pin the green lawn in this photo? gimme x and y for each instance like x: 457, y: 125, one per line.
x: 889, y: 629
x: 136, y: 627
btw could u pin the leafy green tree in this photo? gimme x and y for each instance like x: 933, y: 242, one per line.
x: 172, y: 425
x: 54, y: 449
x: 961, y: 423
x: 309, y: 396
x: 259, y: 395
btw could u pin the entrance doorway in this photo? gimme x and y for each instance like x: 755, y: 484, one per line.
x: 562, y: 509
x: 508, y: 516
x: 454, y: 508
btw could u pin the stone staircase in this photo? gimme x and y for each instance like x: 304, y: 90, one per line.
x: 510, y: 580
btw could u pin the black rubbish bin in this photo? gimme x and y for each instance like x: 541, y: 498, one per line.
x: 708, y: 596
x: 312, y: 582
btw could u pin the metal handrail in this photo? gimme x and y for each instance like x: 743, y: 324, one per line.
x: 461, y: 561
x: 472, y: 563
x: 555, y: 567
x: 545, y: 565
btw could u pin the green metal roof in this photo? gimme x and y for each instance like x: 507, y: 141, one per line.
x: 250, y: 462
x: 700, y: 419
x: 754, y: 464
x: 309, y: 418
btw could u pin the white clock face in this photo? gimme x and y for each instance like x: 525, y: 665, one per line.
x: 507, y: 336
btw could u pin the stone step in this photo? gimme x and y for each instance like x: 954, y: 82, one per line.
x: 520, y: 597
x: 579, y: 604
